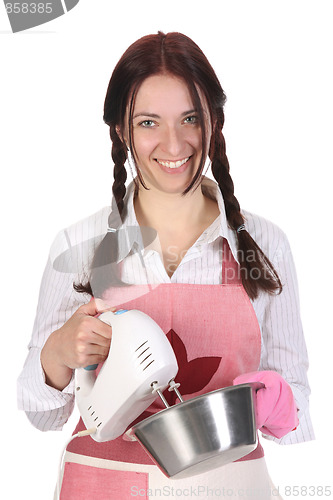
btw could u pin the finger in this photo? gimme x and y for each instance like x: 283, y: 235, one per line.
x: 100, y: 340
x: 101, y: 328
x: 86, y: 352
x: 104, y: 306
x: 95, y: 306
x: 95, y: 359
x: 98, y: 350
x: 90, y: 308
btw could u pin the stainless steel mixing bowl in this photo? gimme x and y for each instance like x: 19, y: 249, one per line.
x: 202, y: 433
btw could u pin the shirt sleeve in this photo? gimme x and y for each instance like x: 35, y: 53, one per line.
x: 46, y: 407
x: 283, y: 344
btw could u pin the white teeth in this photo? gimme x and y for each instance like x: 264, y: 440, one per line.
x: 173, y: 164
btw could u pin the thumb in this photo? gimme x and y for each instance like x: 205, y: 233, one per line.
x: 95, y: 307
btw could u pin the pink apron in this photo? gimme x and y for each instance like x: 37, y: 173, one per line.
x: 215, y: 334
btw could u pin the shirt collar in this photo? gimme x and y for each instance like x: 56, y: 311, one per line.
x: 134, y: 236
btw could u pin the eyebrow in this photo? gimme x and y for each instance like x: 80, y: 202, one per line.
x: 153, y: 115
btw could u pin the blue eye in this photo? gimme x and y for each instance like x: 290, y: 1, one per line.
x: 191, y: 119
x: 146, y: 123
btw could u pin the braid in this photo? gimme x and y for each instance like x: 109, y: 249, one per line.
x: 221, y: 172
x: 257, y: 272
x: 104, y: 268
x: 119, y: 156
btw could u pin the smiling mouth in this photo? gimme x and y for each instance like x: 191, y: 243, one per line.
x: 172, y: 164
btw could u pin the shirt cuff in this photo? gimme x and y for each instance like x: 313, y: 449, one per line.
x: 34, y: 394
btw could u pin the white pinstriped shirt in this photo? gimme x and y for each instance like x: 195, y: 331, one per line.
x: 283, y: 347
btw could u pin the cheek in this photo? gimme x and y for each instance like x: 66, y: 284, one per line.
x: 144, y: 145
x: 194, y: 138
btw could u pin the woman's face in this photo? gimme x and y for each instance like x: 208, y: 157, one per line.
x: 167, y: 133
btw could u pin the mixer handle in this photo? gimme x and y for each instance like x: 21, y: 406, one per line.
x: 105, y: 317
x: 85, y: 379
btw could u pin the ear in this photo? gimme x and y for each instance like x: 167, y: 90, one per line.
x: 121, y: 136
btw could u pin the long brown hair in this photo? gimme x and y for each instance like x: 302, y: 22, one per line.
x: 178, y: 55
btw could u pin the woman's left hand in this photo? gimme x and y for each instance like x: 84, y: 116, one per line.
x: 276, y: 412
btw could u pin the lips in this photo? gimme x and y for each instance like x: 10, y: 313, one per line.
x: 172, y: 164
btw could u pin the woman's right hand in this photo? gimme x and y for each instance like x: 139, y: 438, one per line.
x: 83, y: 340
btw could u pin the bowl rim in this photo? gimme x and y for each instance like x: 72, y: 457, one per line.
x: 253, y: 386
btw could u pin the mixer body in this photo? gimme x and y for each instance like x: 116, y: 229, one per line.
x: 141, y: 362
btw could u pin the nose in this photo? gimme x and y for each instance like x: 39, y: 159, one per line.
x: 172, y: 142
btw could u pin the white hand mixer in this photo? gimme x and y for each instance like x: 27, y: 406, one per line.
x: 141, y: 364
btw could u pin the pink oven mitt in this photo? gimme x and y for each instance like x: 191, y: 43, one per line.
x: 276, y: 413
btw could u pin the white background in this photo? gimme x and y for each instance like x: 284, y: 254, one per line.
x: 274, y: 60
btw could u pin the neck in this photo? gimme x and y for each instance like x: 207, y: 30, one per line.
x: 170, y: 210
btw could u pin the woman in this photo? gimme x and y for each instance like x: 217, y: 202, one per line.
x: 219, y: 281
